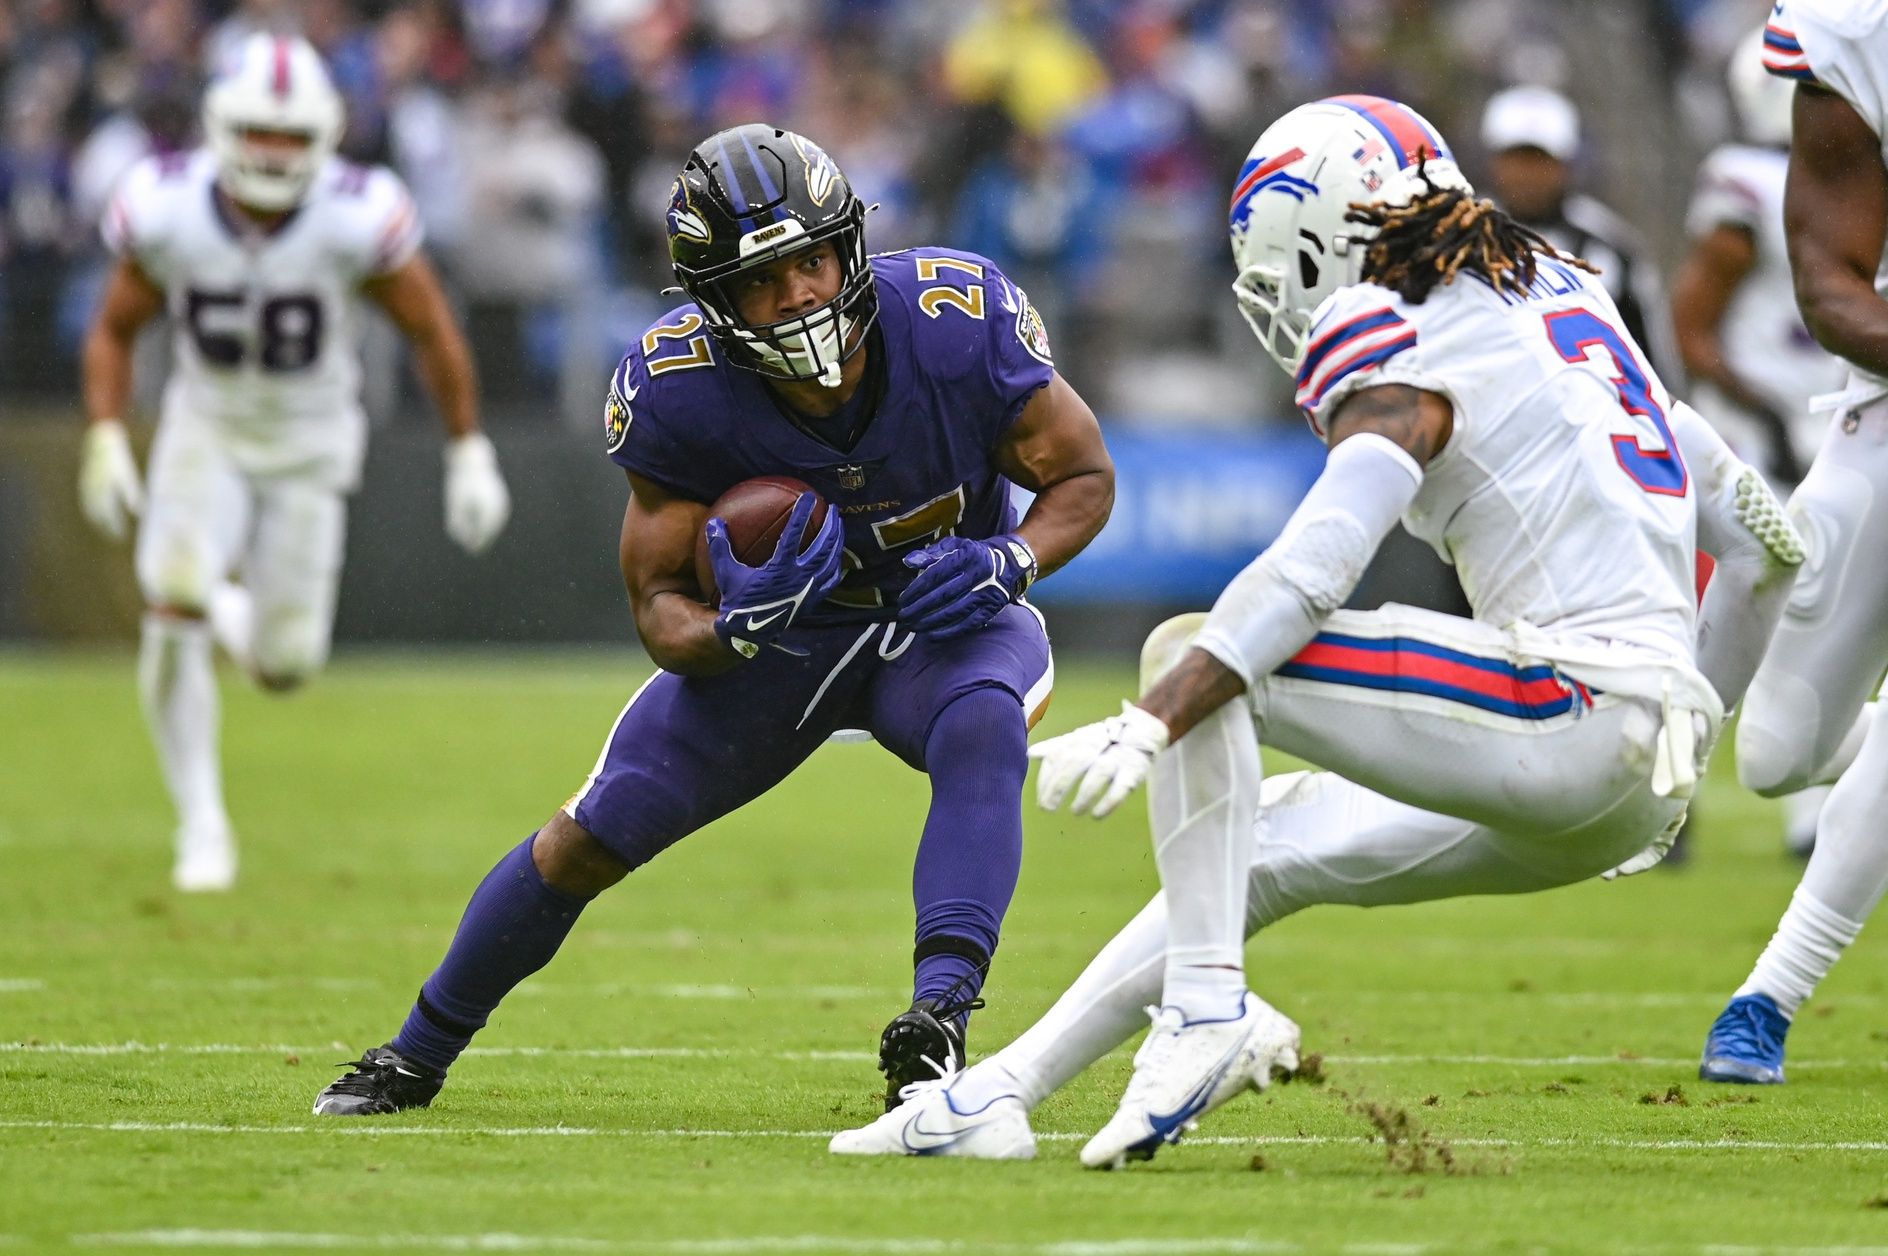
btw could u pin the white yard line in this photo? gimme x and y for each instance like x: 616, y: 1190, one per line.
x: 849, y: 1057
x: 330, y: 1048
x: 373, y: 1130
x: 730, y: 992
x: 1232, y: 1245
x: 714, y: 991
x: 266, y: 1239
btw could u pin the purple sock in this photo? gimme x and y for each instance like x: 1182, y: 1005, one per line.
x: 511, y: 928
x: 972, y: 849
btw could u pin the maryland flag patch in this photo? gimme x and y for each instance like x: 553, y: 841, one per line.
x: 1030, y: 331
x: 615, y: 421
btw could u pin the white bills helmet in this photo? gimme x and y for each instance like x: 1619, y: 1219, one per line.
x: 1763, y: 100
x: 1289, y: 238
x: 275, y: 83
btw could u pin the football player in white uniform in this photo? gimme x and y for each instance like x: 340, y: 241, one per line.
x: 1754, y: 366
x: 1476, y: 384
x: 259, y: 247
x: 1808, y: 717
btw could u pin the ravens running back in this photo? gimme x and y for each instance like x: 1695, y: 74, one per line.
x: 911, y: 390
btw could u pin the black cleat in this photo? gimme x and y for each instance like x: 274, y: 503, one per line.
x: 383, y: 1081
x: 921, y: 1044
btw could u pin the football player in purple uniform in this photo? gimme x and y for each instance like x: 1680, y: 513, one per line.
x: 912, y: 390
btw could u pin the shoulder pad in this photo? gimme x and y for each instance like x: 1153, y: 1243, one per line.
x: 373, y: 213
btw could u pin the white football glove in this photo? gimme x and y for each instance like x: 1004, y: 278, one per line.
x: 477, y: 502
x: 1108, y: 759
x: 109, y: 489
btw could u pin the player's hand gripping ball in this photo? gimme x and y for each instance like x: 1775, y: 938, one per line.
x: 963, y: 583
x: 760, y: 603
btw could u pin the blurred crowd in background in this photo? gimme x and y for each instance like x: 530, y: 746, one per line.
x: 1086, y: 145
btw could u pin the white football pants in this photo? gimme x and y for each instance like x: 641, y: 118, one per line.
x: 205, y: 522
x: 282, y: 536
x: 1457, y: 768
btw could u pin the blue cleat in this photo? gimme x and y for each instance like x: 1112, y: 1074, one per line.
x: 1746, y: 1043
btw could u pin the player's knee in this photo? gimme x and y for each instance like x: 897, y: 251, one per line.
x: 984, y: 731
x: 1780, y: 739
x: 288, y: 650
x: 175, y: 583
x: 1771, y: 762
x: 1166, y: 644
x: 572, y: 860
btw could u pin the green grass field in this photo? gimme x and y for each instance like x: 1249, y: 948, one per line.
x: 666, y: 1086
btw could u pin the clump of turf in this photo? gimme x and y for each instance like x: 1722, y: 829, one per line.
x: 1674, y: 1097
x: 1408, y: 1145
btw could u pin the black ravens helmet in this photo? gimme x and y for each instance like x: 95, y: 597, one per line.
x: 754, y: 193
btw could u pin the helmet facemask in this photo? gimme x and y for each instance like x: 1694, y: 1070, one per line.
x: 1278, y: 304
x: 813, y: 346
x: 268, y: 176
x: 277, y: 87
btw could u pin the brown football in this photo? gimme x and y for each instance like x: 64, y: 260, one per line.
x: 756, y: 512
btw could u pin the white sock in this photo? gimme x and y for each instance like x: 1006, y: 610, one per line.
x: 233, y: 622
x: 178, y: 686
x: 1104, y: 1007
x: 1203, y: 797
x: 1845, y: 879
x: 1809, y: 940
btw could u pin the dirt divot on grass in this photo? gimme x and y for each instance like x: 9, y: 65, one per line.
x: 1310, y: 1071
x: 1409, y: 1146
x: 1674, y: 1097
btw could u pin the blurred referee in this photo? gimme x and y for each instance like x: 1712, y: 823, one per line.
x: 1532, y: 136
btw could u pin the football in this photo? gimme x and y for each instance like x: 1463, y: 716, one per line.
x: 755, y: 511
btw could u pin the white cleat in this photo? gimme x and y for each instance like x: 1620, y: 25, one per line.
x: 206, y: 860
x: 927, y: 1123
x: 1183, y: 1071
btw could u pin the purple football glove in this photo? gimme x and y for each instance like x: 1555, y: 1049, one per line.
x: 962, y: 583
x: 760, y: 603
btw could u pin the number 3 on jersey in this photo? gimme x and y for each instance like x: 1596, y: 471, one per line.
x: 1574, y: 334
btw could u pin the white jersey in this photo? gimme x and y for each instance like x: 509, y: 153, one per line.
x: 1560, y: 498
x: 1764, y: 338
x: 265, y: 325
x: 1842, y: 46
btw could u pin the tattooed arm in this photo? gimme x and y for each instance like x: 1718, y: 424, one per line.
x: 1414, y: 420
x: 1381, y: 439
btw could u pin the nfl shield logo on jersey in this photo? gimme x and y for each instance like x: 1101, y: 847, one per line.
x: 851, y: 477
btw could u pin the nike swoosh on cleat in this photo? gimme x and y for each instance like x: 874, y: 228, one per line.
x: 1164, y: 1125
x: 933, y: 1140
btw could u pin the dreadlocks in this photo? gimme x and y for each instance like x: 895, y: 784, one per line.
x: 1443, y: 231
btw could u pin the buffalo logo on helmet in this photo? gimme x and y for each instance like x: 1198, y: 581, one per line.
x: 1267, y: 174
x: 615, y: 421
x: 684, y: 220
x: 822, y: 174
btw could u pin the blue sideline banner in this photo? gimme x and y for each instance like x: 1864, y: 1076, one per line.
x: 1191, y: 509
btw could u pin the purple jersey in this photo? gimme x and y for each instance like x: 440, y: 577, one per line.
x: 962, y: 351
